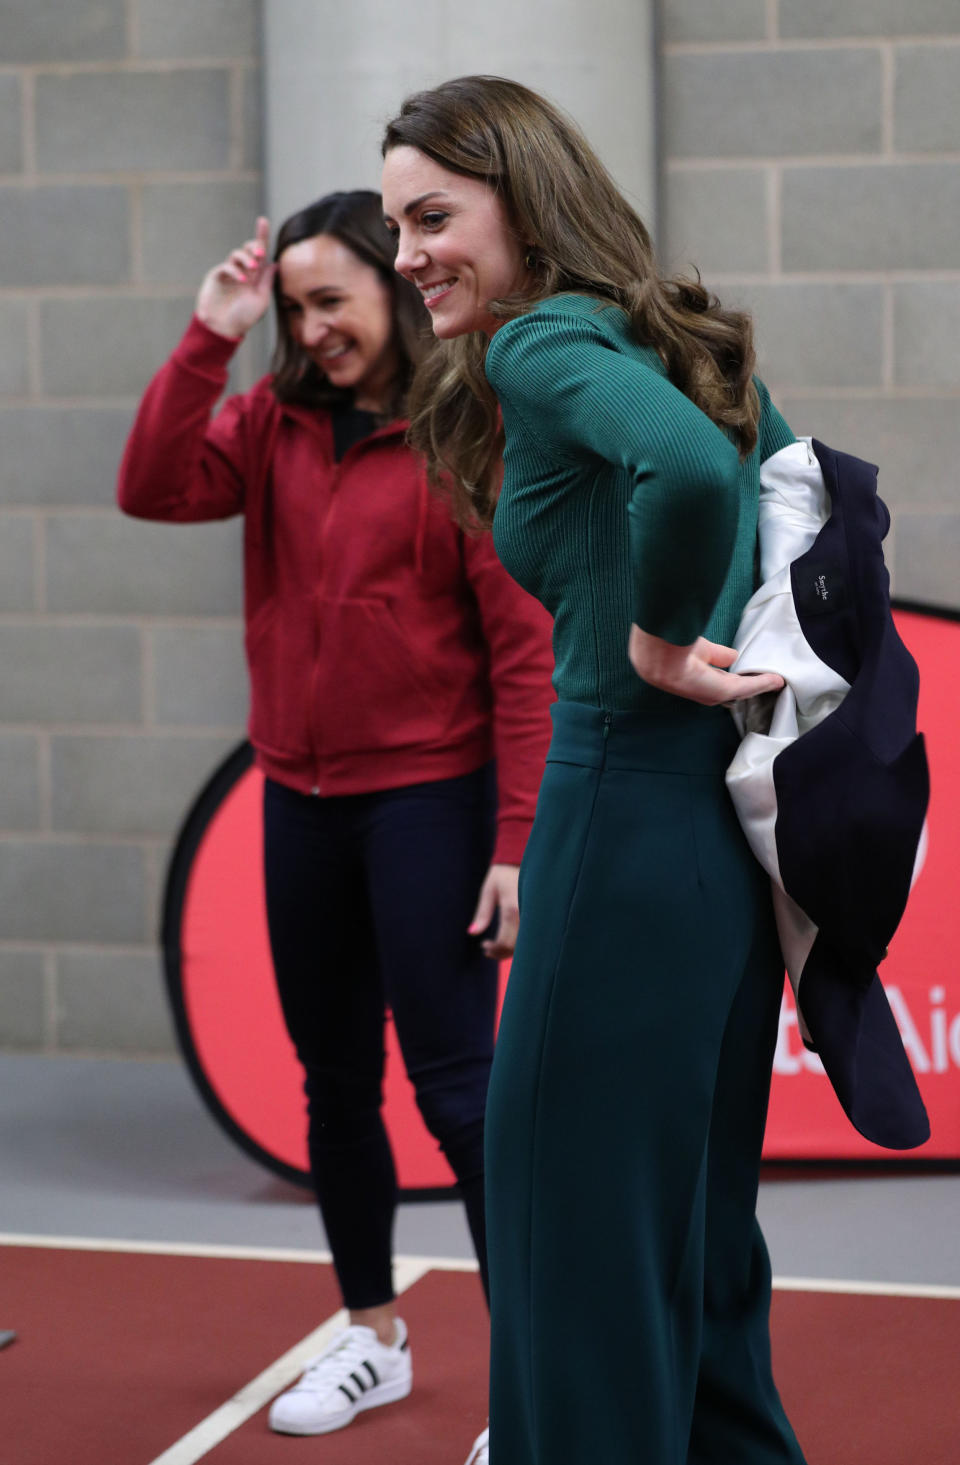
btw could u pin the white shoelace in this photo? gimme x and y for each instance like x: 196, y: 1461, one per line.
x: 336, y: 1364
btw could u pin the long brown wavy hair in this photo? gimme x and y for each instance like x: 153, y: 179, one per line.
x: 585, y: 238
x: 356, y: 219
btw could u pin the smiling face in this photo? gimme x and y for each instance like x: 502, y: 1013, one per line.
x: 454, y: 241
x: 339, y: 310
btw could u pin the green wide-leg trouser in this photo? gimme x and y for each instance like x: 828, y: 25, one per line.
x: 630, y: 1284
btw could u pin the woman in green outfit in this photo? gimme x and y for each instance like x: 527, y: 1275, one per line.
x: 630, y: 1282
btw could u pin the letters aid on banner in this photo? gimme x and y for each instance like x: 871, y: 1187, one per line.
x: 936, y: 1049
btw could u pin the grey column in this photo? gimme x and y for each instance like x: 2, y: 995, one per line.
x: 336, y: 71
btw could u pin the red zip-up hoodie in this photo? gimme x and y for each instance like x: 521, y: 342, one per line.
x: 385, y: 646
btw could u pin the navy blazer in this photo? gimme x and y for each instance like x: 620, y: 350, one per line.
x: 851, y: 795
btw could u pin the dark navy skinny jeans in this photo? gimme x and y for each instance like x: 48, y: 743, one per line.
x: 368, y: 901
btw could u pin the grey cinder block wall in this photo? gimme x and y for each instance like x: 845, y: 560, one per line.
x: 811, y: 168
x: 812, y: 171
x: 129, y: 162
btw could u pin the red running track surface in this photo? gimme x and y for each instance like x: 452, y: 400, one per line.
x: 119, y: 1355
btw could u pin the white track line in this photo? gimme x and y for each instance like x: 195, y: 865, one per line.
x: 201, y: 1249
x: 252, y: 1397
x: 431, y: 1263
x: 166, y: 1248
x: 866, y: 1289
x: 245, y: 1403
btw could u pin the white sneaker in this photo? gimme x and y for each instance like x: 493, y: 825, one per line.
x: 480, y: 1454
x: 356, y: 1372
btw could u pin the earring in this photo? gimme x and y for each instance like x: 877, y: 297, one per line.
x: 530, y: 260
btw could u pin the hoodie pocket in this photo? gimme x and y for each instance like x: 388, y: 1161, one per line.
x: 279, y: 654
x: 373, y: 686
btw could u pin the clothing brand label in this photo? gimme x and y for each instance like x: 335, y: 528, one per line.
x: 820, y: 590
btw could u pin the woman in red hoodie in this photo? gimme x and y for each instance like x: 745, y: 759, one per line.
x: 399, y: 710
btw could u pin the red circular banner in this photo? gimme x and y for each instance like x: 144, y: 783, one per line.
x: 220, y: 976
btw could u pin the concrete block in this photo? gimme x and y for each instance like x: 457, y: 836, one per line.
x: 14, y: 349
x: 915, y: 442
x: 156, y: 862
x: 189, y: 227
x: 22, y: 1003
x: 715, y: 218
x: 705, y: 20
x: 83, y: 30
x: 830, y: 19
x: 926, y: 330
x: 64, y: 234
x: 19, y: 781
x: 107, y: 347
x: 193, y: 28
x: 926, y: 117
x: 771, y: 104
x: 113, y: 1002
x: 61, y: 455
x: 200, y: 677
x: 130, y: 784
x: 105, y: 564
x: 71, y: 892
x: 253, y: 119
x: 16, y: 563
x: 897, y: 216
x: 72, y: 674
x: 926, y: 559
x: 816, y: 335
x: 99, y: 122
x: 11, y: 150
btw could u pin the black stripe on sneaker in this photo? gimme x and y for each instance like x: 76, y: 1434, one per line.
x: 361, y: 1385
x: 374, y: 1377
x: 404, y: 1345
x: 345, y: 1390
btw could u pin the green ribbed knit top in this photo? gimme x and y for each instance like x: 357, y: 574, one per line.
x: 621, y: 500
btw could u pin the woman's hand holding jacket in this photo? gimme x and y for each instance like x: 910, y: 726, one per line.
x: 697, y: 671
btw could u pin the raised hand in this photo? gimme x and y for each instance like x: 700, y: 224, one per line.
x: 236, y: 292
